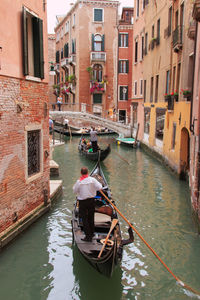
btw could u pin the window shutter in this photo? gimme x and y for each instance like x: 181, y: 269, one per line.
x: 103, y: 42
x: 126, y: 93
x: 25, y: 42
x: 119, y: 40
x: 92, y: 42
x: 36, y: 46
x: 127, y: 66
x: 121, y: 92
x: 41, y: 49
x: 126, y: 40
x: 66, y: 51
x: 119, y: 66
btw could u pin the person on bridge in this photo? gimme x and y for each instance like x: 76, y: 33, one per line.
x: 86, y: 188
x: 93, y: 139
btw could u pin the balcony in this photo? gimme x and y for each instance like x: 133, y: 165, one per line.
x: 170, y: 104
x: 57, y: 67
x: 98, y: 57
x: 177, y: 38
x: 64, y: 62
x: 97, y: 87
x: 196, y: 10
x: 72, y: 59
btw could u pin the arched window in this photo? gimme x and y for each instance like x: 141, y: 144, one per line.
x: 97, y: 72
x: 97, y: 42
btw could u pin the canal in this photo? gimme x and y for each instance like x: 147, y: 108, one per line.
x: 43, y: 264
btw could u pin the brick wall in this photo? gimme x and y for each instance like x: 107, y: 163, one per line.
x: 22, y: 104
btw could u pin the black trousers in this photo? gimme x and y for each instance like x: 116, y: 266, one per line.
x: 94, y: 146
x: 86, y: 212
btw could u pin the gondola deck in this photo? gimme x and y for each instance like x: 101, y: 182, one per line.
x: 112, y: 253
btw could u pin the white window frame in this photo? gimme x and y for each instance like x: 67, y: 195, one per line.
x: 123, y: 66
x: 74, y: 20
x: 102, y: 15
x: 123, y: 41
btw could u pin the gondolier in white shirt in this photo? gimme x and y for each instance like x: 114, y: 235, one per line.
x: 86, y: 188
x: 93, y: 139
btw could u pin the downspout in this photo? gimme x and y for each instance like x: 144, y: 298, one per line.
x: 117, y: 21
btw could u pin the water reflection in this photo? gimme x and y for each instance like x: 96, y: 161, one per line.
x: 89, y: 284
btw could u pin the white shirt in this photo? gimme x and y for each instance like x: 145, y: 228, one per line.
x: 93, y: 136
x: 86, y: 188
x: 66, y: 121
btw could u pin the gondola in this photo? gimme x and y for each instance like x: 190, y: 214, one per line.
x: 105, y: 217
x: 79, y: 132
x: 101, y: 154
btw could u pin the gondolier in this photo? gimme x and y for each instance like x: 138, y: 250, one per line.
x: 86, y: 188
x: 93, y: 139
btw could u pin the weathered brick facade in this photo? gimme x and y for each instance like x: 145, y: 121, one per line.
x: 22, y: 103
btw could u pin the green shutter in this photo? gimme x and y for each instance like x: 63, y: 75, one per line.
x: 127, y: 40
x: 41, y: 49
x: 121, y: 93
x: 25, y: 42
x: 97, y: 98
x: 92, y: 42
x: 126, y: 93
x: 127, y: 66
x: 119, y: 66
x: 103, y: 42
x: 119, y: 40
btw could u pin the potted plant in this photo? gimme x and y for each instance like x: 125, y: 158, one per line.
x: 175, y: 95
x: 167, y: 97
x: 187, y: 94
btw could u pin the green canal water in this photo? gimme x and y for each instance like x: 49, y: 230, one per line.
x: 43, y: 264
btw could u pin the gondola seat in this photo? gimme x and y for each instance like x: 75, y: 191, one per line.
x: 101, y: 218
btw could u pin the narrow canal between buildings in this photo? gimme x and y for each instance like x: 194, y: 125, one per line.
x: 43, y: 264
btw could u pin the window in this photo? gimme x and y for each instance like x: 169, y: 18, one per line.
x: 152, y: 32
x: 123, y: 66
x: 33, y: 147
x: 170, y: 21
x: 160, y: 122
x: 123, y: 40
x: 146, y: 120
x: 145, y: 90
x: 167, y: 82
x: 122, y: 115
x: 142, y: 48
x: 74, y: 20
x: 174, y: 78
x: 123, y: 93
x: 151, y: 90
x: 135, y: 105
x: 33, y: 57
x: 174, y: 136
x: 158, y: 32
x: 178, y: 77
x: 156, y: 88
x: 138, y: 8
x: 67, y: 27
x: 136, y: 51
x: 97, y: 98
x: 57, y: 56
x: 135, y: 88
x: 97, y: 42
x: 146, y: 43
x: 66, y: 50
x: 62, y: 53
x: 141, y: 87
x: 73, y: 46
x: 98, y: 15
x: 97, y: 72
x: 57, y: 36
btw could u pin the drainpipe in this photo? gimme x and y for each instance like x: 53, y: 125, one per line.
x: 117, y: 62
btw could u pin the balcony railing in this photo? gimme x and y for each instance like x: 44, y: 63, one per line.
x: 170, y: 103
x: 72, y: 59
x: 98, y: 56
x: 177, y: 38
x: 57, y: 67
x: 167, y: 32
x: 64, y: 62
x: 196, y: 10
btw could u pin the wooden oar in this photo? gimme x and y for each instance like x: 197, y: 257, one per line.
x: 162, y: 262
x: 122, y: 157
x: 113, y: 224
x: 70, y: 132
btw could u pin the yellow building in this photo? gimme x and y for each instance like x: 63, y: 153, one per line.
x: 168, y: 69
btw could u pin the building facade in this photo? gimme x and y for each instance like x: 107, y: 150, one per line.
x: 125, y: 57
x: 24, y: 163
x: 86, y: 57
x: 195, y: 115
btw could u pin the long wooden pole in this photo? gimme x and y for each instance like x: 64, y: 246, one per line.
x: 114, y: 223
x: 162, y: 262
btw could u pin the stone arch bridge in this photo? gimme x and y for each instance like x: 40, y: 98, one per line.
x: 82, y: 117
